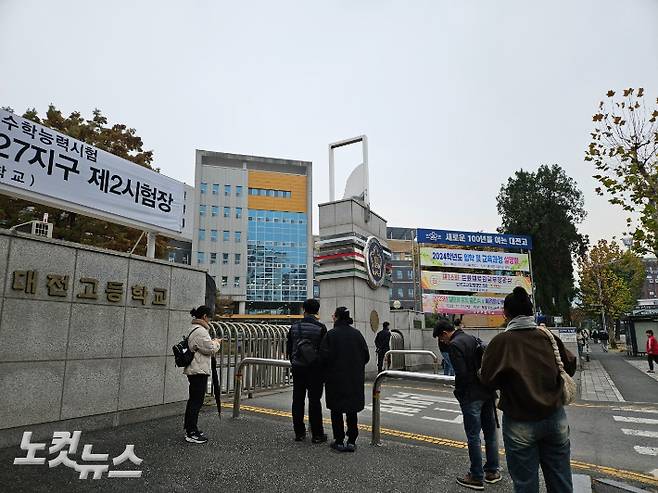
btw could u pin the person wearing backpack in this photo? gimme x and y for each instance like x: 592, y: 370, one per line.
x: 477, y: 404
x: 203, y: 347
x: 303, y: 348
x: 524, y: 363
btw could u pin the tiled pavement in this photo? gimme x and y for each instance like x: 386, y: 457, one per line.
x: 596, y: 384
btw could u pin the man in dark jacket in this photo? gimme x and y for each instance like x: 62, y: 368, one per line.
x: 344, y: 354
x: 382, y: 345
x: 303, y: 349
x: 477, y: 404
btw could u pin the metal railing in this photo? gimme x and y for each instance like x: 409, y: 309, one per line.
x: 262, y: 362
x: 389, y: 354
x: 398, y: 375
x: 251, y: 340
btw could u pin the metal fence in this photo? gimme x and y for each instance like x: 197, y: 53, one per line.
x: 251, y: 340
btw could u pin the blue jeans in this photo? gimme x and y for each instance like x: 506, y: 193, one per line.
x: 529, y: 444
x: 447, y: 365
x: 479, y: 415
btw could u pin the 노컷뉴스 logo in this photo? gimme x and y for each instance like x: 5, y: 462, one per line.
x: 375, y: 262
x: 64, y: 444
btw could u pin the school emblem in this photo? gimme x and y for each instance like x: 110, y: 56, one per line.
x: 375, y: 262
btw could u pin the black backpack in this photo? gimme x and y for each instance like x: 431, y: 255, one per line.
x: 183, y: 355
x: 304, y: 354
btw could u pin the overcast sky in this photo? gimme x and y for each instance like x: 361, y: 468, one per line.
x: 454, y: 96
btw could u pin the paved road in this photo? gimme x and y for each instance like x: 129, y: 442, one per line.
x: 623, y: 435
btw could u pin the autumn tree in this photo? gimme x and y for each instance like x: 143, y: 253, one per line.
x: 610, y: 280
x: 547, y: 205
x: 117, y: 139
x: 624, y: 152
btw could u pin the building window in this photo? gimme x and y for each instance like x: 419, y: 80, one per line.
x: 238, y: 258
x: 215, y: 188
x: 227, y: 211
x: 203, y: 188
x: 172, y: 257
x: 226, y: 235
x: 238, y: 236
x: 400, y: 293
x: 238, y: 190
x: 398, y: 274
x: 202, y: 210
x: 224, y: 281
x: 238, y: 212
x: 200, y: 257
x: 410, y: 274
x: 214, y: 210
x: 213, y: 235
x: 410, y: 293
x: 236, y: 282
x: 213, y: 258
x: 227, y: 190
x: 202, y: 234
x: 225, y: 258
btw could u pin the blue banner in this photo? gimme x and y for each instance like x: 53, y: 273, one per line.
x: 466, y: 238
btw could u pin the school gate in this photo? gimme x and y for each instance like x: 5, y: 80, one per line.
x: 86, y: 335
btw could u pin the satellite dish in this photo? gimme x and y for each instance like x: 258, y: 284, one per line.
x: 356, y: 185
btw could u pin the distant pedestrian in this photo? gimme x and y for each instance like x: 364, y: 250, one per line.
x: 443, y: 349
x: 477, y: 404
x: 652, y: 350
x: 303, y: 349
x: 522, y: 363
x: 580, y: 341
x: 199, y: 341
x: 382, y: 345
x: 603, y: 336
x: 595, y: 336
x: 344, y: 354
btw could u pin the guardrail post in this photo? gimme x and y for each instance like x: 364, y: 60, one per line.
x: 400, y: 375
x: 237, y: 387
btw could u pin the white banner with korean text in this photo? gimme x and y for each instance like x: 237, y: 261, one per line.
x: 472, y: 283
x: 43, y: 163
x: 474, y: 259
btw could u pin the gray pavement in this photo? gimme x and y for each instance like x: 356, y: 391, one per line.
x: 254, y: 453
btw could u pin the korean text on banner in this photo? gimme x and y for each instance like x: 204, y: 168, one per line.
x: 468, y: 238
x: 455, y: 304
x: 472, y: 283
x: 473, y: 259
x: 41, y: 162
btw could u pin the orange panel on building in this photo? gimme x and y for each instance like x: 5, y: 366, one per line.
x: 268, y: 180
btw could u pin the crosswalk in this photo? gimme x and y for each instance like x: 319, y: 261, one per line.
x: 429, y: 407
x: 645, y: 428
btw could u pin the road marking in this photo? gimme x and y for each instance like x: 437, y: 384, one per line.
x: 631, y: 419
x: 456, y: 420
x: 640, y: 433
x: 584, y: 466
x: 636, y: 410
x: 646, y: 450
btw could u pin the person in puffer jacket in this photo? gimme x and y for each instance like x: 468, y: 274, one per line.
x: 203, y: 346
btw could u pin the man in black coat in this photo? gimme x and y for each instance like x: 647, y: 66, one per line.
x: 477, y: 403
x: 303, y: 349
x: 382, y: 345
x: 344, y: 354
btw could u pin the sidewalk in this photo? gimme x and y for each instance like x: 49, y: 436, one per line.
x: 615, y: 377
x: 597, y: 385
x: 252, y: 454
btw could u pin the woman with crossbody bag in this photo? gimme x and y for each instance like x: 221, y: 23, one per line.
x: 203, y: 346
x: 532, y: 369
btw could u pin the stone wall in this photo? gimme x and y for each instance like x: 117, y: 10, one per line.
x: 79, y: 338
